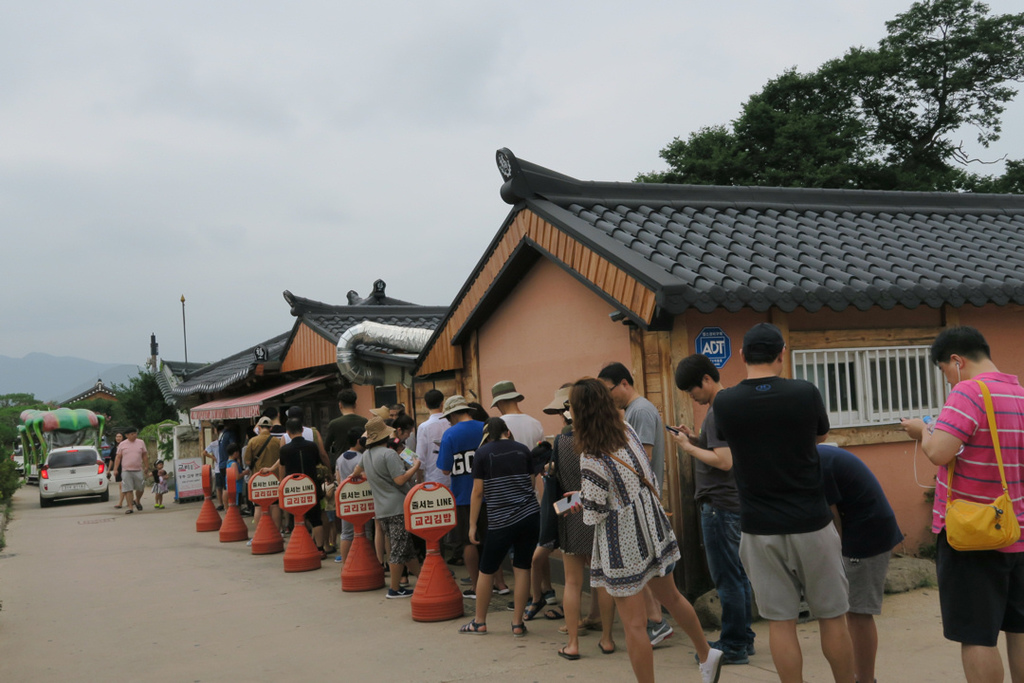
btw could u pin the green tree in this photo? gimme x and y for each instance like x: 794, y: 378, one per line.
x: 140, y: 403
x: 873, y: 119
x: 11, y: 407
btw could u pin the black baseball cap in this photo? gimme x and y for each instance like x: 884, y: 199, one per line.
x: 763, y: 337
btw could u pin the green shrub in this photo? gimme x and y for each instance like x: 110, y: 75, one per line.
x: 9, y: 479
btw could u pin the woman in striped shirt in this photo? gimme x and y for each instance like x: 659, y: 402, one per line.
x: 503, y: 475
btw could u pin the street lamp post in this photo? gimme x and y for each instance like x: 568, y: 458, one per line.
x: 183, y: 331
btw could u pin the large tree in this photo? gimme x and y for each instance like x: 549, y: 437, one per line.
x: 140, y: 403
x: 873, y: 119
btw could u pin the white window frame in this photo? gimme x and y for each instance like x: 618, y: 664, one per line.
x: 861, y: 389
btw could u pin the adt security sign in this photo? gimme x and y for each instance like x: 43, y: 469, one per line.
x: 715, y: 344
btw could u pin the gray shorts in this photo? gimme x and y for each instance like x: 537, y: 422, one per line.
x: 786, y: 568
x: 348, y: 530
x: 867, y: 582
x: 132, y: 480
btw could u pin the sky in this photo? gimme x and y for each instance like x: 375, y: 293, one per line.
x: 228, y: 151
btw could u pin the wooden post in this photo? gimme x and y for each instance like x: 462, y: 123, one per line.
x: 471, y: 368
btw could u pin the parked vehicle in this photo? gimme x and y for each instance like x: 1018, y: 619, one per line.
x: 43, y: 430
x: 72, y: 472
x: 19, y: 462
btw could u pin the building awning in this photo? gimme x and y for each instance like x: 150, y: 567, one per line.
x: 240, y: 407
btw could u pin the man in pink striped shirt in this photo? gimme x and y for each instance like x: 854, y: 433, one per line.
x: 981, y: 592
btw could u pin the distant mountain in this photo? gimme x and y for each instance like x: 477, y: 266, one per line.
x: 54, y: 378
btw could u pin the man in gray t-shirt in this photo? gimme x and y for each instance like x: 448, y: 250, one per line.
x: 641, y: 415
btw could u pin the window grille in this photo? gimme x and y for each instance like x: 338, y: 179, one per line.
x: 873, y: 386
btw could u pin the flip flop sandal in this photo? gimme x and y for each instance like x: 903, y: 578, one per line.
x: 519, y: 630
x: 590, y: 624
x: 117, y: 507
x: 533, y: 609
x: 604, y: 651
x: 580, y: 630
x: 474, y: 628
x: 129, y: 511
x: 566, y: 655
x: 554, y: 614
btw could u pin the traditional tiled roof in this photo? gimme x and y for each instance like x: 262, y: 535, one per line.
x: 91, y: 392
x: 331, y: 321
x: 709, y: 247
x: 222, y: 374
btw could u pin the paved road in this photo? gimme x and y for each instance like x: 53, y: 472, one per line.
x: 91, y: 594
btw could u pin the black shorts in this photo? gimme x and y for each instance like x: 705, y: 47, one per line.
x: 520, y: 537
x: 461, y: 530
x: 981, y: 592
x: 221, y: 479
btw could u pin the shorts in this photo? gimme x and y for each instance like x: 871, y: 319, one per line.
x: 402, y: 550
x: 785, y: 568
x: 331, y: 517
x: 133, y: 480
x: 461, y: 530
x: 221, y: 480
x: 348, y: 530
x: 993, y: 602
x: 867, y: 582
x: 520, y: 537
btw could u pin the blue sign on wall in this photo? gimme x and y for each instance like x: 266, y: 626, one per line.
x: 715, y: 344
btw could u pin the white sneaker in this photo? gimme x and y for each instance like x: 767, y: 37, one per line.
x: 712, y: 667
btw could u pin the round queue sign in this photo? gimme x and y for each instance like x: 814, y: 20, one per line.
x: 429, y: 511
x: 264, y: 488
x: 354, y: 501
x: 298, y: 494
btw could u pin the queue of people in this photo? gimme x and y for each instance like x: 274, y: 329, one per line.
x: 785, y: 519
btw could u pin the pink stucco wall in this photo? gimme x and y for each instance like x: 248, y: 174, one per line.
x: 550, y: 330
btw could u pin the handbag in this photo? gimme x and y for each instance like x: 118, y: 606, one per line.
x: 552, y: 492
x: 982, y: 526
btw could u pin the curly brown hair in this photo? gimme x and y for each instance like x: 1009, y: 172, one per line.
x: 597, y: 424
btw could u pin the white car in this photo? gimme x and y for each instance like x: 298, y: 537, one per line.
x: 72, y: 472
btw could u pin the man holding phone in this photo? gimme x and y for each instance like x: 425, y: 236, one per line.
x: 719, y: 504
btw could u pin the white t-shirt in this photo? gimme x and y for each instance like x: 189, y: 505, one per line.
x: 212, y: 450
x: 428, y: 442
x: 525, y: 429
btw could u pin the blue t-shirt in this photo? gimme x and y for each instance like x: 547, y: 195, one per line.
x: 458, y: 446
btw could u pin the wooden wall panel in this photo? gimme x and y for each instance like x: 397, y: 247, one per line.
x: 309, y: 350
x: 611, y: 280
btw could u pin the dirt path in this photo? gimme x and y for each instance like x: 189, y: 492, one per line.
x: 90, y: 594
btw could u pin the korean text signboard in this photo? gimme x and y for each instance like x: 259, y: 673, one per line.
x: 188, y: 478
x: 298, y: 494
x: 429, y: 511
x: 354, y: 501
x: 263, y: 489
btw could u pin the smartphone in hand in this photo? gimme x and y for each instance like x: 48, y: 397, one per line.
x: 564, y: 504
x: 672, y: 429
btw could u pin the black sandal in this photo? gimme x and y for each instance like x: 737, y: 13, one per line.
x: 533, y: 609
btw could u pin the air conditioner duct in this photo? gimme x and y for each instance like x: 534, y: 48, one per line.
x: 358, y: 371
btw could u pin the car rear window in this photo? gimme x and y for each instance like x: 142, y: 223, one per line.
x: 77, y: 458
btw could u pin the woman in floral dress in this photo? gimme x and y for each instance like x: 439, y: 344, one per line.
x: 634, y: 545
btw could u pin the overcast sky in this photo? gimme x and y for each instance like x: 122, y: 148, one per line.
x: 228, y: 151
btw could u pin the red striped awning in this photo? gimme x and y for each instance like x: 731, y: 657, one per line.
x: 241, y: 407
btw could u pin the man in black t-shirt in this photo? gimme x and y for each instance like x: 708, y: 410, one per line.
x: 789, y: 547
x: 718, y: 503
x: 301, y: 456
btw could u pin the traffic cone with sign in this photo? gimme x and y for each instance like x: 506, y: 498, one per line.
x: 234, y: 528
x: 297, y: 495
x: 209, y: 518
x: 354, y: 503
x: 263, y: 489
x: 430, y: 514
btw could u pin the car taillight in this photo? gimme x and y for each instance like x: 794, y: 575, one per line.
x: 100, y: 467
x: 43, y: 473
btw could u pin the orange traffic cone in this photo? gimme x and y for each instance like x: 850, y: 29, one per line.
x: 437, y: 597
x: 234, y: 528
x: 209, y: 518
x: 301, y: 555
x: 361, y: 571
x: 267, y: 538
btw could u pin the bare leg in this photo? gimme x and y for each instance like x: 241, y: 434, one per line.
x: 838, y: 650
x: 540, y: 573
x: 607, y: 607
x: 499, y: 579
x: 378, y: 542
x: 275, y: 515
x: 521, y: 595
x: 864, y: 636
x: 652, y: 606
x: 785, y: 647
x: 574, y: 566
x: 484, y: 587
x: 633, y: 611
x: 343, y: 549
x: 664, y: 590
x: 471, y: 557
x: 1015, y: 655
x: 981, y: 664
